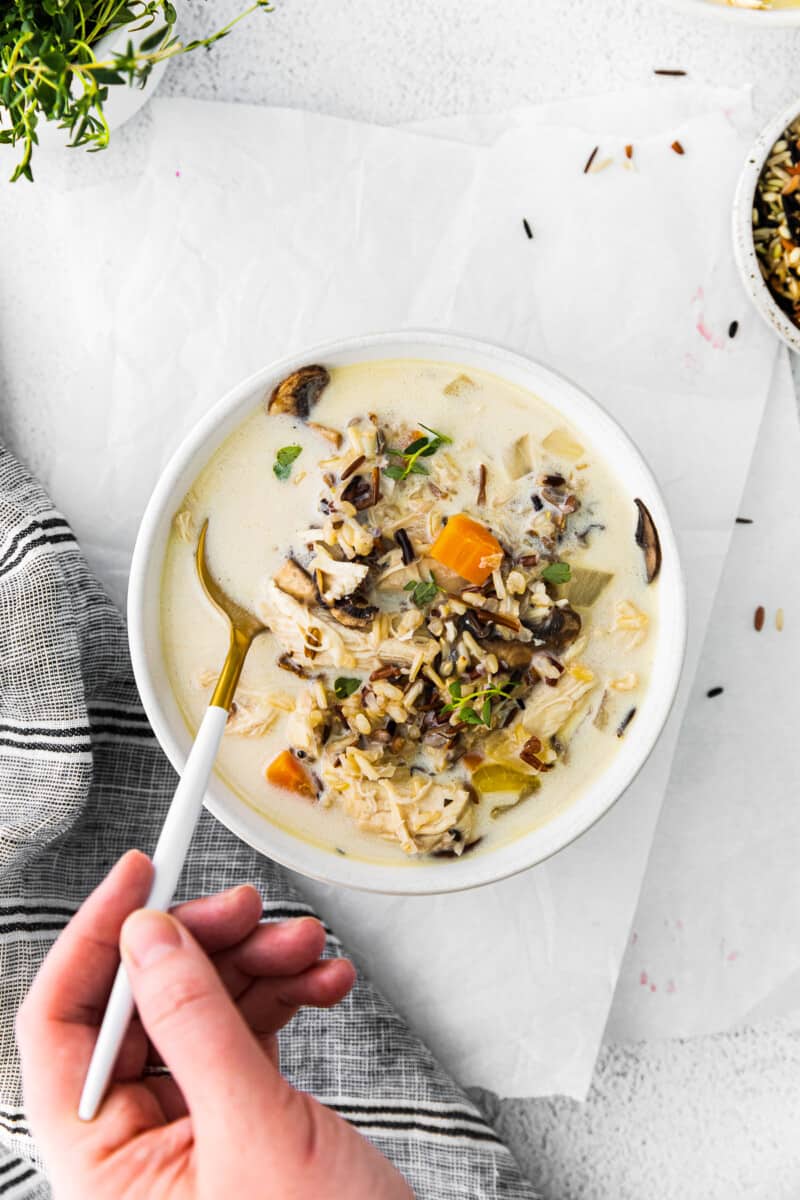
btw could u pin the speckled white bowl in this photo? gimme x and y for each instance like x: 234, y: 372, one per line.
x: 743, y: 244
x: 752, y: 17
x: 433, y: 875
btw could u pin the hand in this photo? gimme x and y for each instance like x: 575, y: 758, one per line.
x: 212, y: 988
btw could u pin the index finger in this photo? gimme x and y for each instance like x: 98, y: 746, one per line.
x: 56, y: 1024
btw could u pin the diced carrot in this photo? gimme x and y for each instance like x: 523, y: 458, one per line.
x: 468, y: 548
x: 285, y: 772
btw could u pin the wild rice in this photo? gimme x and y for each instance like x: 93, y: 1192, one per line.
x: 758, y: 618
x: 482, y: 484
x: 776, y: 221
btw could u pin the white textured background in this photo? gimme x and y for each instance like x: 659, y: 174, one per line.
x: 709, y: 1118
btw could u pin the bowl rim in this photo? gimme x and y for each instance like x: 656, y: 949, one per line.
x: 780, y: 18
x: 744, y: 248
x: 304, y: 856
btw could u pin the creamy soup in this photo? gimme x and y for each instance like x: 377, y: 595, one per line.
x: 460, y: 601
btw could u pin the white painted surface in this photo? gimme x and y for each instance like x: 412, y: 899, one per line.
x: 712, y: 1117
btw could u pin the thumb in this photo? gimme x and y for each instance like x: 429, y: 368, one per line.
x: 195, y: 1025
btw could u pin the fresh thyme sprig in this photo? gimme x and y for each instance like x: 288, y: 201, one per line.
x: 462, y: 704
x: 557, y: 572
x: 421, y: 447
x: 423, y: 591
x: 284, y: 459
x: 49, y: 69
x: 344, y: 686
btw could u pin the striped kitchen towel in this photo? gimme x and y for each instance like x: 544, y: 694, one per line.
x: 82, y: 779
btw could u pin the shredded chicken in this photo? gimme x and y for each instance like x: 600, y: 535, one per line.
x: 630, y: 624
x: 340, y: 578
x: 549, y: 708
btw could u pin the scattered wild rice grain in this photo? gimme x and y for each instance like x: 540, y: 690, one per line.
x: 758, y: 618
x: 779, y: 620
x: 590, y: 160
x: 733, y: 329
x: 744, y: 520
x: 406, y: 549
x: 662, y: 71
x: 715, y: 691
x: 677, y: 147
x: 354, y: 465
x: 527, y: 227
x: 625, y: 722
x: 482, y: 484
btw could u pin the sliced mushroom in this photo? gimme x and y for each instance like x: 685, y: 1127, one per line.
x: 352, y: 614
x: 559, y: 628
x: 287, y: 663
x: 474, y: 623
x: 514, y: 656
x: 299, y: 392
x: 648, y: 541
x: 292, y: 579
x: 362, y: 492
x: 331, y: 435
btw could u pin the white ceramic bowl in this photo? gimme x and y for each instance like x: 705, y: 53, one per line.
x: 442, y: 875
x: 743, y: 244
x: 749, y: 17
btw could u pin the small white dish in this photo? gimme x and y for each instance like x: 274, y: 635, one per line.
x: 743, y: 244
x: 123, y: 101
x: 437, y: 875
x: 778, y: 18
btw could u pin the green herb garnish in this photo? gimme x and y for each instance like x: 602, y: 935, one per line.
x: 423, y: 590
x: 421, y: 447
x: 49, y: 69
x: 557, y: 572
x: 282, y: 467
x: 462, y: 705
x: 343, y: 686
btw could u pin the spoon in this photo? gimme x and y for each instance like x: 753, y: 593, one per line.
x: 180, y: 822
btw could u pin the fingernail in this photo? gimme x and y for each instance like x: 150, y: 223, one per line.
x: 147, y: 936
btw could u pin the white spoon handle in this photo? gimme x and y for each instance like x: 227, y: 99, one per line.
x: 168, y: 860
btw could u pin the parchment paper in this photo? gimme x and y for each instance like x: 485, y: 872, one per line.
x: 250, y: 233
x: 715, y: 939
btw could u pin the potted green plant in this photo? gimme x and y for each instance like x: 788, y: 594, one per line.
x: 60, y: 60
